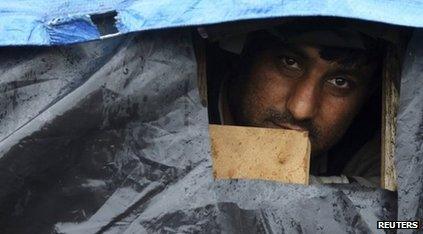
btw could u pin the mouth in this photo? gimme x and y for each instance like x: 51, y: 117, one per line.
x: 289, y: 126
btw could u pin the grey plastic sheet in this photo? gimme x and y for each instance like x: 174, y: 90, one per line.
x: 111, y: 137
x: 409, y: 141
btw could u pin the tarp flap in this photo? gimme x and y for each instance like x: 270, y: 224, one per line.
x: 409, y: 141
x: 121, y: 145
x: 55, y: 22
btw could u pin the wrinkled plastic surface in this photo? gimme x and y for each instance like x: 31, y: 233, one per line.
x: 111, y: 137
x: 58, y: 22
x: 409, y: 141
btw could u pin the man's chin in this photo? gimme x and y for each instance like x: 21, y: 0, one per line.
x: 317, y: 151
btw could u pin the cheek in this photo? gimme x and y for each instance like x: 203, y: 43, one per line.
x: 264, y: 90
x: 335, y: 116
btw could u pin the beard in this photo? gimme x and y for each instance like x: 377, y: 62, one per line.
x: 270, y: 116
x: 286, y: 117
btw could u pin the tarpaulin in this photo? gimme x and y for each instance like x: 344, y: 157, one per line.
x: 111, y: 137
x: 409, y: 140
x: 56, y: 22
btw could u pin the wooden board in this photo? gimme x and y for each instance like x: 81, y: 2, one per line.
x: 260, y: 153
x: 390, y: 97
x: 200, y: 55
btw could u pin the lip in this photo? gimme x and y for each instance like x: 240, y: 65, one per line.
x: 289, y: 126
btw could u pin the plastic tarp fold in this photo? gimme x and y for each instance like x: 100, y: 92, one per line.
x: 58, y: 22
x: 409, y: 140
x: 111, y: 137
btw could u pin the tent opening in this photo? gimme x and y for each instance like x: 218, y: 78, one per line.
x: 336, y: 79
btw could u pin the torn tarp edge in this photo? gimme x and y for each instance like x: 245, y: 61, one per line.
x: 56, y: 22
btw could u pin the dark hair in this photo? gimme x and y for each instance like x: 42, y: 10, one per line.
x: 349, y: 57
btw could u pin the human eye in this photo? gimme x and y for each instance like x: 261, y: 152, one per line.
x: 341, y: 82
x: 290, y: 66
x: 290, y: 63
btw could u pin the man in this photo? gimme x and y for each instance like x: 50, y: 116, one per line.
x: 306, y: 77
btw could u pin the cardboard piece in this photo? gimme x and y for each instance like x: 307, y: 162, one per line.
x: 260, y: 153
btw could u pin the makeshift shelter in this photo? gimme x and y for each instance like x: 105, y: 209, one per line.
x: 110, y: 136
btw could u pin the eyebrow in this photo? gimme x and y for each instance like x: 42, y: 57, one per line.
x: 294, y: 49
x: 341, y: 69
x: 353, y: 72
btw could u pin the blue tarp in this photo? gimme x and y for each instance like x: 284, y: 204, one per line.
x: 58, y: 22
x: 111, y: 136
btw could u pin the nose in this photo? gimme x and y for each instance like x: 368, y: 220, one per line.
x: 303, y: 99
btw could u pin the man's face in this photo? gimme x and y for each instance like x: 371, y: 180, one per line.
x: 293, y: 87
